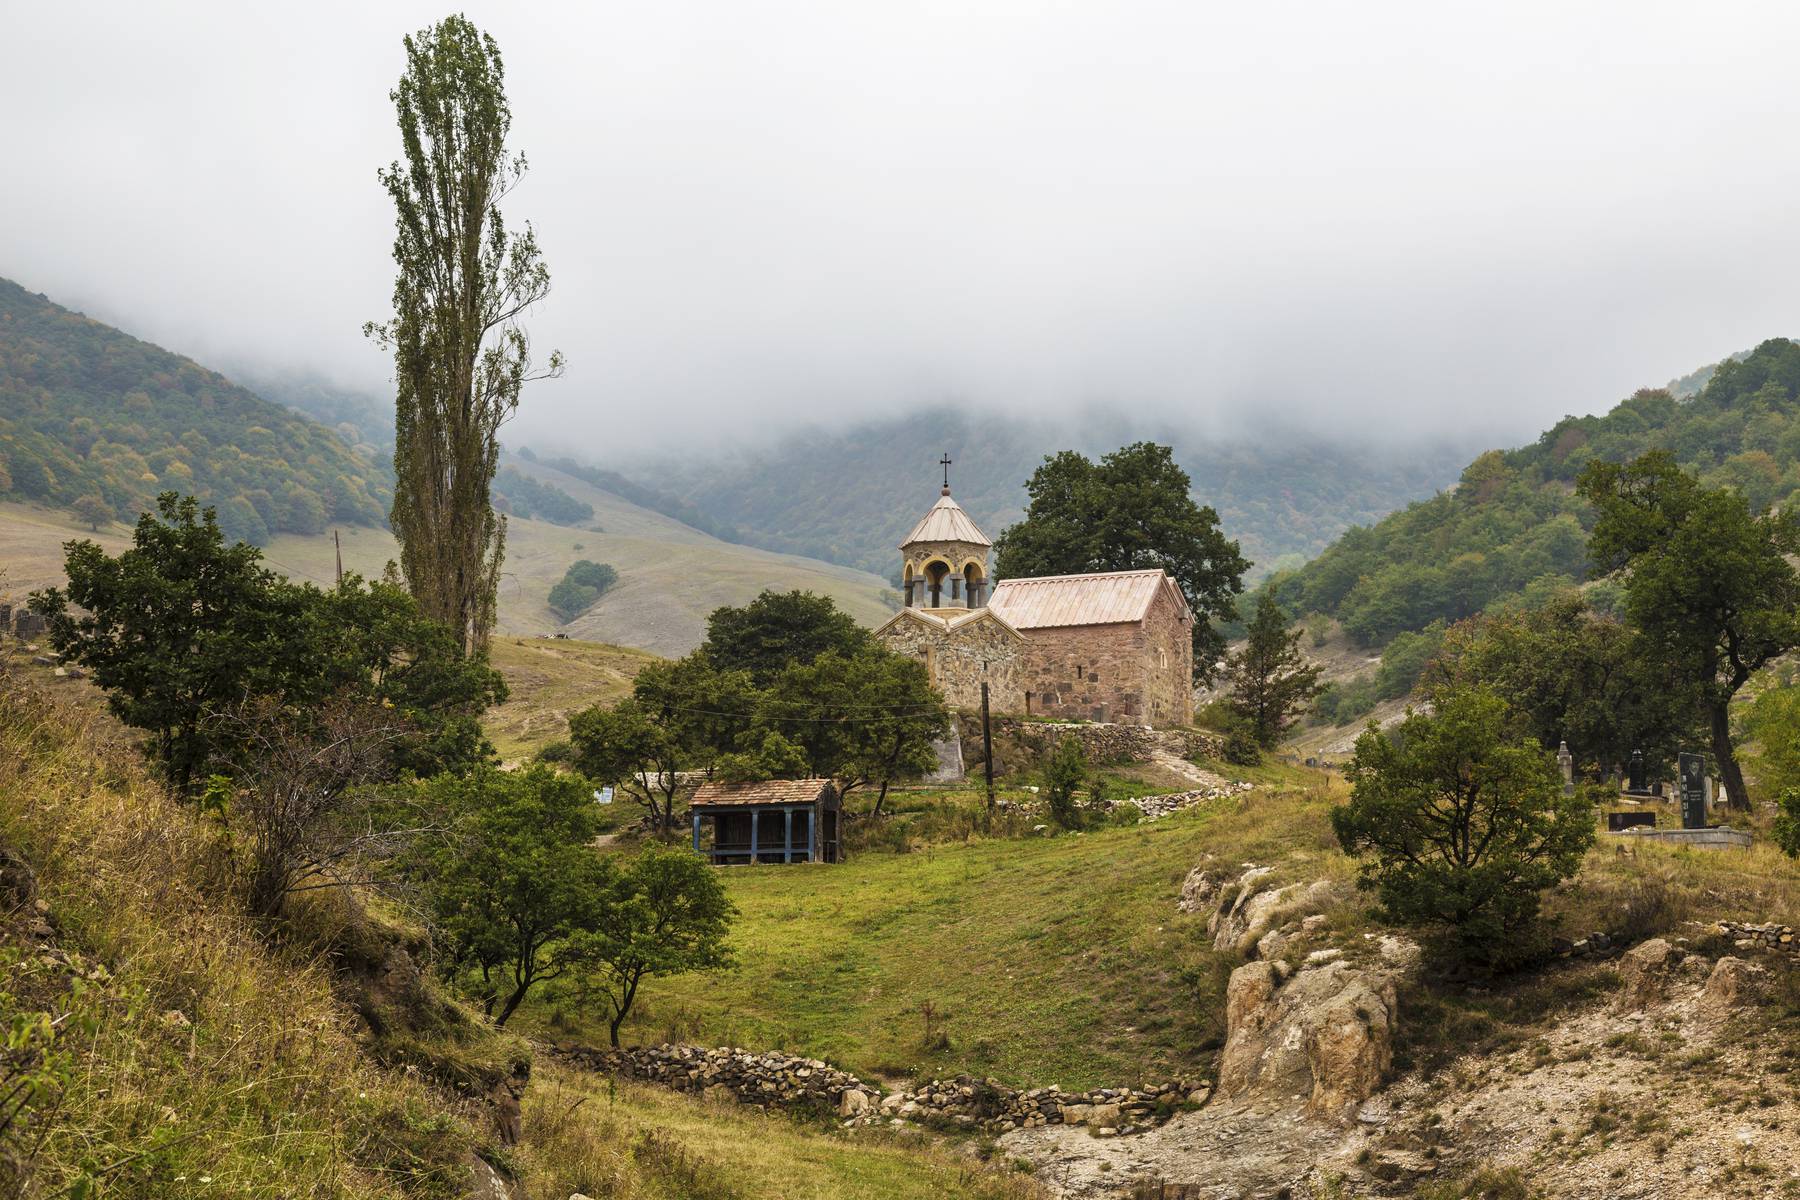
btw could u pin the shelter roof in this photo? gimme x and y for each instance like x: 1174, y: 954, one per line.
x: 716, y: 793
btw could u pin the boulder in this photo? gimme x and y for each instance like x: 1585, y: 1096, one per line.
x: 1733, y: 984
x: 1644, y: 972
x: 854, y: 1103
x: 1327, y: 1033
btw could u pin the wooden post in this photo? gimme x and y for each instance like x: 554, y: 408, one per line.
x: 755, y: 820
x: 812, y: 832
x: 787, y: 833
x: 696, y: 833
x: 987, y: 740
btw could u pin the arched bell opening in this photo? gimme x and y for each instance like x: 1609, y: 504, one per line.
x: 974, y: 585
x: 910, y: 585
x: 936, y: 572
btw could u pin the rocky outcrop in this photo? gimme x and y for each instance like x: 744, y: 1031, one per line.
x: 1249, y: 907
x: 1323, y: 1032
x: 785, y: 1081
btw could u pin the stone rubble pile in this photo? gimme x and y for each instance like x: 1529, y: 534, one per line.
x: 776, y: 1080
x: 1155, y: 807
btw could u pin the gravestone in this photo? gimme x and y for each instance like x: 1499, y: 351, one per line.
x: 1566, y: 763
x: 1618, y: 822
x: 1693, y: 790
x: 1636, y: 785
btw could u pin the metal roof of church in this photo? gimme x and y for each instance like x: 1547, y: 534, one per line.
x: 946, y: 522
x: 1112, y: 598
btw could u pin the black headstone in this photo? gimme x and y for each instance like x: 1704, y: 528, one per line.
x: 1637, y: 772
x: 1693, y: 790
x: 1616, y: 821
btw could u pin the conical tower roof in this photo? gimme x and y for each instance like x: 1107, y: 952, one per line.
x: 946, y: 522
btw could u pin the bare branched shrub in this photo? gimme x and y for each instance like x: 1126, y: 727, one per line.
x: 289, y: 790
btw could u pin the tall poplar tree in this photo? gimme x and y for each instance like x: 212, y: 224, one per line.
x: 460, y: 355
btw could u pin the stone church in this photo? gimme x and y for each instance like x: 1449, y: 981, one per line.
x: 1115, y: 646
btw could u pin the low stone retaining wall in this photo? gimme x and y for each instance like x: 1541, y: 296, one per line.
x: 775, y: 1080
x: 1112, y: 743
x: 1769, y: 937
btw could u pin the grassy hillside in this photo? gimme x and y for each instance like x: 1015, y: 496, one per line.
x: 850, y: 496
x: 88, y: 411
x: 670, y: 575
x: 1514, y: 524
x: 1046, y: 960
x: 196, y: 1055
x: 193, y: 1058
x: 549, y: 679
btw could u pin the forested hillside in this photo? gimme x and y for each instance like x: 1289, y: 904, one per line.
x: 1514, y: 528
x: 96, y: 421
x: 850, y: 496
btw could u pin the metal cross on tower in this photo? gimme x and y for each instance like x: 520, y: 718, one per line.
x: 945, y: 463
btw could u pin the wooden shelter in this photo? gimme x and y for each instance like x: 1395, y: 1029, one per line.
x: 777, y: 821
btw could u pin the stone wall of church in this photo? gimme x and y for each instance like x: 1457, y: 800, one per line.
x: 1169, y: 664
x: 1134, y: 674
x: 1086, y: 673
x: 954, y: 658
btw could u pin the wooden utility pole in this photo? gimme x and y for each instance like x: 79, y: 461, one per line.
x: 987, y: 741
x: 339, y: 547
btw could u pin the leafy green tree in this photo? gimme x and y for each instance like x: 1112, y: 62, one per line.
x: 513, y: 886
x: 681, y: 715
x: 375, y: 644
x: 581, y: 585
x: 1133, y: 510
x: 767, y: 755
x: 778, y: 629
x: 569, y: 599
x: 628, y: 743
x: 1271, y: 681
x: 1460, y: 824
x: 92, y: 511
x: 1064, y: 772
x: 1707, y: 580
x: 667, y: 914
x: 1773, y: 720
x: 1570, y: 674
x: 183, y: 627
x: 864, y: 719
x: 180, y: 625
x: 460, y: 355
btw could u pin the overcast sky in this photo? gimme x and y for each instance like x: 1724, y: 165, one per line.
x: 1367, y: 217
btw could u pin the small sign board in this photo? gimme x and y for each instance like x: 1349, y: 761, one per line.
x: 1693, y: 790
x: 604, y: 795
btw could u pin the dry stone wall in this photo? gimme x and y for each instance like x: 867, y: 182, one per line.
x: 785, y: 1081
x: 1107, y: 742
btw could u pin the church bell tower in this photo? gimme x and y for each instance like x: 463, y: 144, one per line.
x: 945, y: 557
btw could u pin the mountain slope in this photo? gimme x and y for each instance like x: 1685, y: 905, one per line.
x: 89, y: 411
x: 850, y: 496
x: 1514, y: 523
